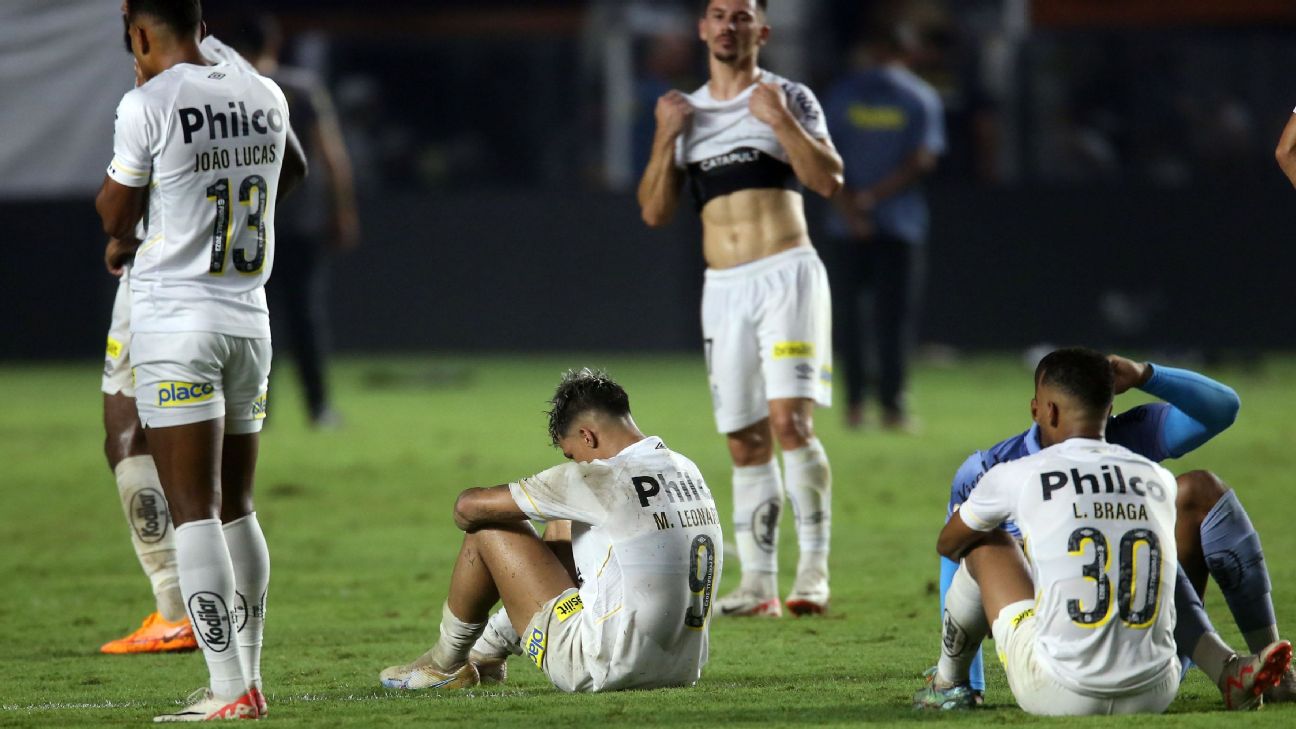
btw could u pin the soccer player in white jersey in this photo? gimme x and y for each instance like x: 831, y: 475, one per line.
x: 198, y: 153
x: 625, y: 603
x: 167, y: 628
x: 747, y: 142
x: 1084, y: 620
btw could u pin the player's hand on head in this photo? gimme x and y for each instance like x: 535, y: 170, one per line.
x: 673, y: 113
x: 1129, y: 374
x: 769, y: 104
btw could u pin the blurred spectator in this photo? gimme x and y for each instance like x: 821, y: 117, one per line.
x: 888, y: 125
x: 318, y: 220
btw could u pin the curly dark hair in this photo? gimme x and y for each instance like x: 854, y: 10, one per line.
x: 1083, y: 373
x: 581, y: 391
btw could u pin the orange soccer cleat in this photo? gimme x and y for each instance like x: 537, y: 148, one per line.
x: 155, y: 635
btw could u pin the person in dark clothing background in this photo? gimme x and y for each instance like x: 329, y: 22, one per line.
x: 890, y: 130
x: 318, y: 221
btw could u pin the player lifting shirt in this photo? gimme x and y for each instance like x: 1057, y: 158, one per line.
x: 617, y: 595
x: 746, y: 143
x: 200, y: 154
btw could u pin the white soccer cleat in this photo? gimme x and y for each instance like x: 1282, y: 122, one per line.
x: 203, y: 705
x: 1246, y: 678
x: 809, y: 594
x: 742, y: 603
x: 413, y: 677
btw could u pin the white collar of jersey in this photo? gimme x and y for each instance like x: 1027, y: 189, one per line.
x: 650, y: 442
x: 706, y: 101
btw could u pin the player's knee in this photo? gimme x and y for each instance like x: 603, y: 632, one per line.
x: 1199, y: 491
x: 791, y: 428
x: 751, y: 446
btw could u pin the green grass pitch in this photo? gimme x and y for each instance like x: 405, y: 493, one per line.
x: 362, y: 542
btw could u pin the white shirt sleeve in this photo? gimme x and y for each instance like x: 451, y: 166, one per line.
x: 990, y: 503
x: 566, y: 491
x: 806, y: 109
x: 132, y: 160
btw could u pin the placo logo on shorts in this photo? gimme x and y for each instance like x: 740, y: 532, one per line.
x: 210, y: 618
x: 535, y: 647
x: 569, y: 607
x: 114, y: 349
x: 149, y: 516
x: 788, y: 350
x: 173, y: 394
x: 259, y: 407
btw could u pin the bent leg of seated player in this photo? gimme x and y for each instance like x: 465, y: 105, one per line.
x: 1001, y: 573
x: 1216, y: 539
x: 508, y: 563
x: 145, y: 507
x: 964, y: 626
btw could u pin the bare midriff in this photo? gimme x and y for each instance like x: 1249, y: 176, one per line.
x: 749, y: 225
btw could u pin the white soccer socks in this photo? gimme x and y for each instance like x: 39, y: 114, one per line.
x: 251, y: 560
x: 963, y: 629
x: 758, y: 505
x: 809, y: 487
x: 457, y: 638
x: 499, y: 640
x: 149, y: 517
x: 207, y: 583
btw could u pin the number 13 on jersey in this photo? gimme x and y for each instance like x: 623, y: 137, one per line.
x: 253, y: 186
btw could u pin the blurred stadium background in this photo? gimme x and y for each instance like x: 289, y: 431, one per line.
x: 1110, y: 178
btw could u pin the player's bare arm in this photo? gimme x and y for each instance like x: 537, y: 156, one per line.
x: 1286, y: 152
x: 327, y: 136
x: 956, y: 538
x: 815, y: 161
x: 118, y: 253
x: 659, y: 189
x: 479, y: 507
x: 120, y: 208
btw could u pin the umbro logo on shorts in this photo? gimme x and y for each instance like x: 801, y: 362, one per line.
x: 172, y: 394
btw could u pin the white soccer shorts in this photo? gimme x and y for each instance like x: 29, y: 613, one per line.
x: 1037, y: 692
x: 117, y: 362
x: 190, y: 377
x: 767, y: 327
x: 553, y: 642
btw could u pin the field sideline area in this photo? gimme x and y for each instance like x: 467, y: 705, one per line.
x: 362, y: 542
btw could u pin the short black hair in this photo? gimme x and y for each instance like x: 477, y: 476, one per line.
x: 183, y: 17
x: 760, y: 5
x: 581, y: 391
x: 1083, y: 373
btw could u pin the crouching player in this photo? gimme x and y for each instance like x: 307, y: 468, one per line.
x: 630, y: 608
x: 1084, y: 623
x: 1215, y: 538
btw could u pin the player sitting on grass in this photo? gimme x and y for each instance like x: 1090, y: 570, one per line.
x: 1210, y: 525
x: 644, y: 538
x: 1087, y: 627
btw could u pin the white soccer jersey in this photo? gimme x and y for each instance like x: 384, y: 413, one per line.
x: 1098, y: 523
x: 720, y: 127
x: 209, y: 143
x: 647, y: 544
